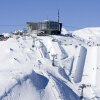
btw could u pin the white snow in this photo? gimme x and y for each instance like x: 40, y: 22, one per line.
x: 27, y: 71
x: 89, y: 34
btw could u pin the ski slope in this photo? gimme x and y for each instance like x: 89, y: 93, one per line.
x: 27, y: 71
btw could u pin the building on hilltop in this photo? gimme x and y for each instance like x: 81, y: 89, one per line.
x: 45, y: 28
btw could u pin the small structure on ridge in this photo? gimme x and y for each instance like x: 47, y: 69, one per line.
x: 45, y: 28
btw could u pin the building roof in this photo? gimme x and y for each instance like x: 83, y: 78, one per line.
x: 44, y: 21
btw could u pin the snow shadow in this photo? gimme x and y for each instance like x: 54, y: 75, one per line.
x: 65, y: 92
x: 39, y: 81
x: 63, y: 73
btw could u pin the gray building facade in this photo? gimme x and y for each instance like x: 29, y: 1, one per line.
x: 45, y: 27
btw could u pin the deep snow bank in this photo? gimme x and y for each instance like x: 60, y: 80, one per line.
x: 90, y: 34
x: 21, y: 55
x: 29, y: 87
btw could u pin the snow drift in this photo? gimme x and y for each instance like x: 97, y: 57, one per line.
x: 27, y: 71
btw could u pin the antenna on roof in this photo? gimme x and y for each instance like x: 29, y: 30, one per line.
x: 58, y: 15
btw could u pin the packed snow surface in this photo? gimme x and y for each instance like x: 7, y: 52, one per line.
x: 43, y: 67
x: 88, y: 34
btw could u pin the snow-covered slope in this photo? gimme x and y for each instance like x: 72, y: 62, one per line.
x: 43, y: 67
x: 90, y: 38
x: 89, y: 34
x: 27, y: 72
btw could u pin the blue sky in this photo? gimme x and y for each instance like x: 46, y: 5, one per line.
x: 73, y: 13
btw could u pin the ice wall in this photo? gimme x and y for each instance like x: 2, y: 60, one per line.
x: 80, y: 64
